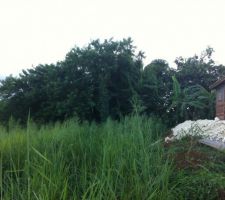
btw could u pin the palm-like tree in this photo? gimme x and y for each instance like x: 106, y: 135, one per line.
x: 192, y: 102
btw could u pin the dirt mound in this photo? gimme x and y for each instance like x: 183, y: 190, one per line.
x: 190, y: 160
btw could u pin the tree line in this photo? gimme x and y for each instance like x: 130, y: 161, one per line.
x: 108, y: 79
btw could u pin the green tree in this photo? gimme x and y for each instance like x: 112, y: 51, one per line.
x: 156, y: 87
x: 191, y: 103
x: 198, y: 70
x: 94, y: 82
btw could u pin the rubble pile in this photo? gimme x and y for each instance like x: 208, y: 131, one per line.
x: 207, y: 129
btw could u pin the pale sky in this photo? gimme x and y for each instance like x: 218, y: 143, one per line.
x: 36, y: 32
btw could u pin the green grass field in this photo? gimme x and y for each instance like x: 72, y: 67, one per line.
x: 115, y: 160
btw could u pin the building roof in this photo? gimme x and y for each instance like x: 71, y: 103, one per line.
x: 217, y: 83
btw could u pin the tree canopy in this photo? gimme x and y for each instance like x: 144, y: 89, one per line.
x: 101, y: 79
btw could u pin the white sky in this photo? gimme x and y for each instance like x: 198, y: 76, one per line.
x: 43, y: 31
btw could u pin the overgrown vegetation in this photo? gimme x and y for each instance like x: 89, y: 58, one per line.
x: 98, y: 122
x: 114, y: 160
x: 100, y: 80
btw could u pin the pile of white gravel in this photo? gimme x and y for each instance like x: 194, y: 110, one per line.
x: 207, y: 129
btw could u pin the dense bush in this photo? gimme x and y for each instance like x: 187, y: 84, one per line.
x: 102, y: 79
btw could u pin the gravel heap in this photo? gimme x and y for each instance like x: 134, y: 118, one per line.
x: 211, y: 129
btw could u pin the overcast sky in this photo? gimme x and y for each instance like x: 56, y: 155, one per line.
x: 43, y: 31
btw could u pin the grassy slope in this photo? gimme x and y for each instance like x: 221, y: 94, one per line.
x: 125, y: 160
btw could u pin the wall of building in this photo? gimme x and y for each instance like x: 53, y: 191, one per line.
x: 220, y: 102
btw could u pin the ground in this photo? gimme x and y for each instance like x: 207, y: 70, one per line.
x: 202, y: 166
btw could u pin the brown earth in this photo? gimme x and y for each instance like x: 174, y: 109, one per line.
x: 188, y: 156
x: 190, y: 160
x: 221, y: 194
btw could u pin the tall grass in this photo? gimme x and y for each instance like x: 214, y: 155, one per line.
x: 115, y: 160
x: 71, y: 161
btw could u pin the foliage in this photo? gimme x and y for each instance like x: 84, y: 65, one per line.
x: 156, y: 87
x: 199, y: 70
x: 112, y: 160
x: 93, y: 83
x: 191, y: 102
x: 102, y: 79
